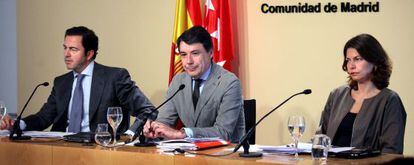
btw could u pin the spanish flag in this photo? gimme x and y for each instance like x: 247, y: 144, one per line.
x: 187, y: 15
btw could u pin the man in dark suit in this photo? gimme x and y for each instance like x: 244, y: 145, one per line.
x: 210, y: 105
x: 80, y: 98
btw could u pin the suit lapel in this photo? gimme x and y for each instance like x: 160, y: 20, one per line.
x: 188, y: 101
x: 346, y: 104
x: 97, y: 87
x: 208, y: 90
x: 66, y: 94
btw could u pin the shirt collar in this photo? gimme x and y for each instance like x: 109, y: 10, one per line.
x: 206, y: 74
x: 88, y: 71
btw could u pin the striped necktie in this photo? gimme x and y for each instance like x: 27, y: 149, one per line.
x: 76, y: 113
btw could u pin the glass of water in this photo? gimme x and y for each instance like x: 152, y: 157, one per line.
x: 320, y: 147
x: 102, y: 136
x: 114, y: 117
x: 296, y: 127
x: 3, y: 110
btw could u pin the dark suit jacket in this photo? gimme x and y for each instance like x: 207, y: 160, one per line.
x: 110, y: 87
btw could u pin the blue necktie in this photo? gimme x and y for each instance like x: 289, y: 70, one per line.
x: 76, y: 113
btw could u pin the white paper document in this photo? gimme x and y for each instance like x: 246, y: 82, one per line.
x: 4, y: 133
x: 289, y: 149
x: 340, y: 149
x: 38, y: 134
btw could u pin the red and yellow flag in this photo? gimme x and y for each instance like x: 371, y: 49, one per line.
x: 187, y: 15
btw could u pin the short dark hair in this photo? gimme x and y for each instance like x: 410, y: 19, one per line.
x: 89, y: 39
x: 371, y: 50
x: 196, y: 34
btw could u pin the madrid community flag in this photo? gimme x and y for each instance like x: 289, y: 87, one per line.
x: 187, y: 15
x: 218, y: 23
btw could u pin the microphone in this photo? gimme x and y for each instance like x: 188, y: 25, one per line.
x: 181, y: 87
x: 307, y: 91
x: 143, y: 142
x: 244, y: 140
x: 16, y: 127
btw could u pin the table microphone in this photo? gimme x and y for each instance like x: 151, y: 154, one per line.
x: 16, y: 127
x: 244, y: 140
x: 143, y: 142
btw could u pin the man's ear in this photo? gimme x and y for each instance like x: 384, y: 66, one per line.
x: 90, y: 54
x: 210, y: 54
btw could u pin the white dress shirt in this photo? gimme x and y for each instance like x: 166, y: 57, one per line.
x: 86, y: 86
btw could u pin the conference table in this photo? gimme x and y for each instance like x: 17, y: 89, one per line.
x: 47, y: 151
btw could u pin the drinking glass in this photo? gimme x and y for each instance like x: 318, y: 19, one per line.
x: 102, y: 136
x: 320, y: 147
x: 3, y: 110
x: 296, y: 127
x: 114, y: 117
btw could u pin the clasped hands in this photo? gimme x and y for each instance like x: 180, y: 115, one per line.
x: 6, y: 123
x: 154, y: 129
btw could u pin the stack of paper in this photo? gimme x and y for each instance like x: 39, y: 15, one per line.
x: 191, y: 143
x: 4, y: 133
x: 290, y: 149
x: 286, y: 149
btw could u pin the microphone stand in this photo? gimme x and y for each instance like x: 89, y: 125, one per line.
x: 244, y: 141
x: 144, y: 141
x: 16, y: 127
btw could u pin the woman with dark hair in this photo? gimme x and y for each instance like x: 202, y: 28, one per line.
x: 365, y: 113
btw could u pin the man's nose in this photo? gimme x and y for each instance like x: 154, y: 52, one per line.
x: 66, y: 52
x: 190, y: 59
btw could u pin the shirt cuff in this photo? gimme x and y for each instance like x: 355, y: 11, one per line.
x: 188, y: 132
x: 129, y: 132
x: 22, y: 125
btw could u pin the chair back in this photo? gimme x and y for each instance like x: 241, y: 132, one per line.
x: 250, y: 118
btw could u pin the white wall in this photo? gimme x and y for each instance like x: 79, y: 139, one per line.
x: 8, y: 54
